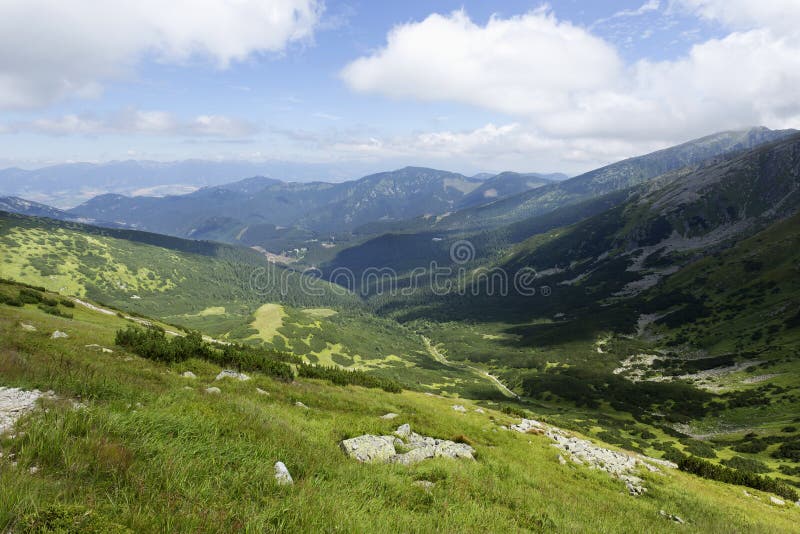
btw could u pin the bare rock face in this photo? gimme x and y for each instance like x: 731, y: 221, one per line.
x: 415, y: 448
x: 282, y: 476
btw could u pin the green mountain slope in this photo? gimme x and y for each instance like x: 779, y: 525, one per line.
x: 149, y: 450
x: 231, y: 293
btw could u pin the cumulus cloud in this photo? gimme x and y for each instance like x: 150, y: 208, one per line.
x: 70, y: 48
x: 563, y: 82
x: 133, y: 121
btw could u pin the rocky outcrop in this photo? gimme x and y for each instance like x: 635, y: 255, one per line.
x: 413, y: 448
x: 227, y: 373
x: 618, y: 464
x: 14, y: 403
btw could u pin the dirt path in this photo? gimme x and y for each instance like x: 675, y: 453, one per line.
x: 439, y: 357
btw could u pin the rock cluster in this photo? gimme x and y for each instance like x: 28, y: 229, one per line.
x: 404, y: 447
x: 617, y: 464
x: 227, y: 373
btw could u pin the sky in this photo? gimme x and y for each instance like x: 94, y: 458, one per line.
x: 469, y: 86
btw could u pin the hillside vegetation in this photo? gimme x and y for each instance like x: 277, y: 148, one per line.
x: 146, y: 449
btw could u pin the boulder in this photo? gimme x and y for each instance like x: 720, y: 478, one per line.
x: 389, y: 415
x: 27, y: 327
x: 775, y: 500
x: 300, y: 405
x: 227, y: 373
x: 369, y: 448
x: 459, y: 408
x: 403, y: 430
x: 282, y: 476
x: 213, y: 390
x: 188, y: 374
x: 479, y: 410
x: 58, y: 334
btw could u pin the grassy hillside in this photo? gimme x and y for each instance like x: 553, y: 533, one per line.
x: 150, y: 451
x: 226, y: 292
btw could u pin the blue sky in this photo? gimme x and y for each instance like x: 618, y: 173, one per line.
x: 361, y: 86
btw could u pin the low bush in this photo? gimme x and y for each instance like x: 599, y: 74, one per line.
x: 343, y: 377
x: 706, y: 469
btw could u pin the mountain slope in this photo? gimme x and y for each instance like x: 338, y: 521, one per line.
x: 503, y: 185
x: 149, y: 450
x: 607, y: 179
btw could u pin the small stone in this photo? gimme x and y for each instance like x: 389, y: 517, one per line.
x: 389, y: 415
x: 775, y: 500
x: 188, y: 374
x: 33, y: 470
x: 27, y: 327
x: 479, y: 410
x: 213, y: 390
x: 561, y: 460
x: 58, y: 334
x: 671, y: 517
x: 300, y: 405
x: 282, y: 476
x: 227, y: 373
x: 262, y: 392
x: 427, y: 485
x: 459, y: 408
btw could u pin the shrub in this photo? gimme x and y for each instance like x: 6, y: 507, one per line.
x: 29, y: 296
x: 152, y: 343
x: 705, y: 469
x: 53, y: 310
x: 67, y: 303
x: 701, y: 449
x: 746, y: 464
x: 343, y: 377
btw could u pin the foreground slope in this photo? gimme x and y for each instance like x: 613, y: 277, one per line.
x: 149, y: 450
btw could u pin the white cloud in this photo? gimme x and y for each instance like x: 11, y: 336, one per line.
x: 132, y: 121
x: 780, y: 16
x: 64, y: 48
x: 563, y: 82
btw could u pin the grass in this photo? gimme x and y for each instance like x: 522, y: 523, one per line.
x: 152, y: 455
x: 268, y: 320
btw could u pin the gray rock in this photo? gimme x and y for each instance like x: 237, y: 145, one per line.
x: 27, y: 327
x: 282, y: 476
x: 300, y: 405
x: 459, y: 408
x: 775, y: 500
x: 403, y: 430
x: 262, y: 392
x: 369, y: 448
x: 213, y: 390
x: 390, y: 415
x: 479, y: 410
x: 427, y: 485
x: 58, y: 334
x: 671, y: 517
x: 561, y: 460
x: 188, y: 374
x: 414, y: 456
x: 227, y: 373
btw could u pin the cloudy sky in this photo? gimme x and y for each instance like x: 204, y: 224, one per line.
x: 467, y: 85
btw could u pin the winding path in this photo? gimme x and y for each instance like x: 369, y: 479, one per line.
x: 439, y: 357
